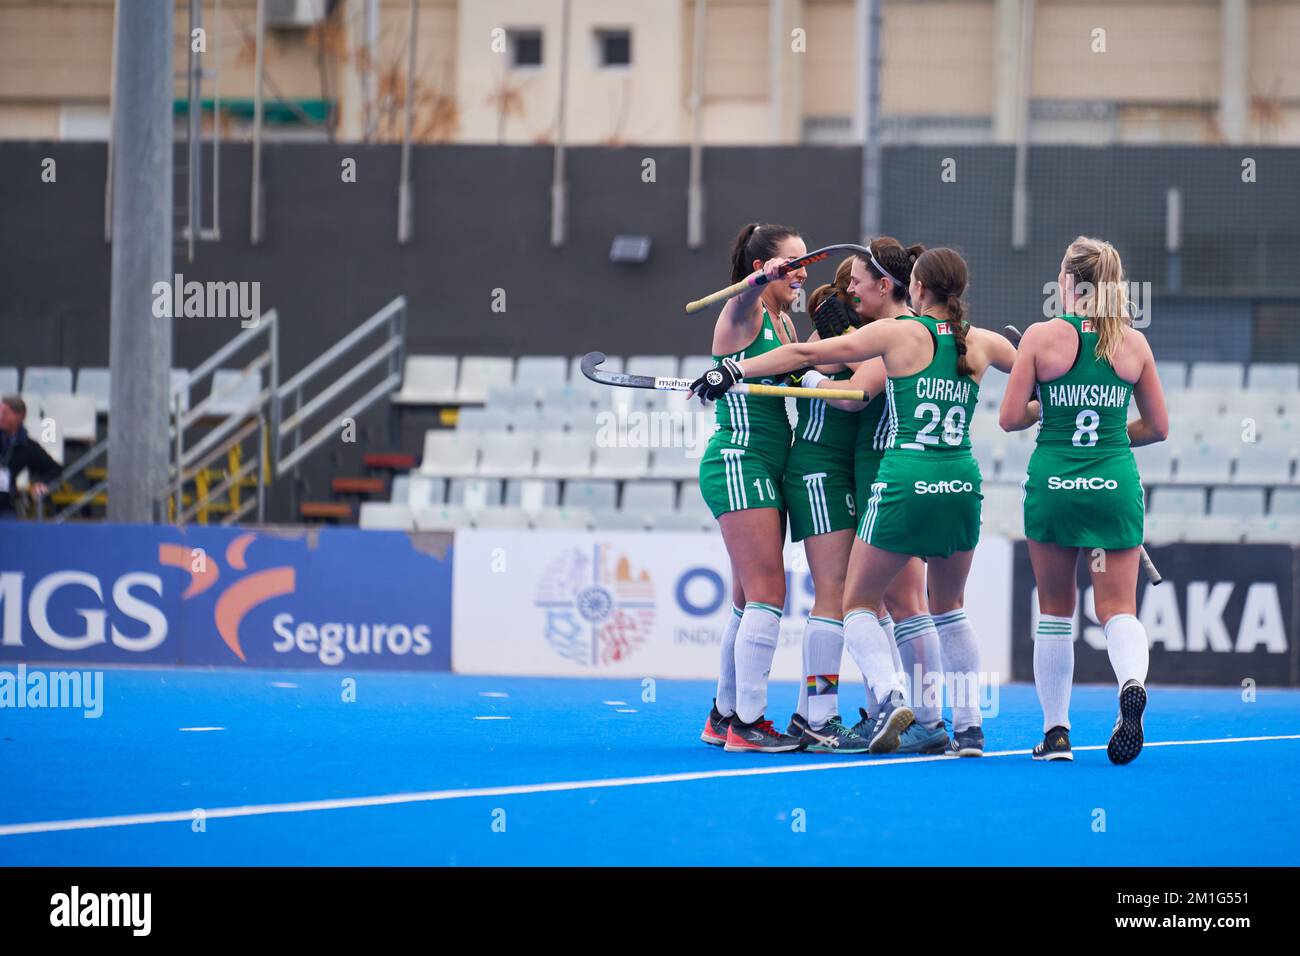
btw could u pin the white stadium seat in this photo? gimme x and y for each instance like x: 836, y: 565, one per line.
x: 1282, y: 529
x: 472, y: 418
x: 563, y: 519
x: 539, y: 372
x: 1218, y: 376
x: 674, y: 463
x: 532, y: 494
x: 400, y: 491
x: 1172, y: 375
x: 384, y: 515
x: 1015, y: 461
x: 592, y: 495
x: 424, y: 492
x: 620, y: 462
x: 96, y: 383
x: 501, y: 518
x: 1285, y: 503
x: 508, y: 454
x: 474, y: 494
x: 564, y: 456
x: 1215, y: 529
x: 1205, y: 464
x: 1177, y: 501
x: 1267, y: 377
x: 1236, y: 502
x: 449, y: 453
x: 428, y: 380
x: 73, y: 415
x: 8, y: 380
x: 441, y: 518
x: 480, y: 373
x: 45, y: 378
x: 1261, y: 463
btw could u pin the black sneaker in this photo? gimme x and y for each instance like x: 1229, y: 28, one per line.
x: 715, y: 727
x: 759, y: 737
x: 1126, y: 739
x: 894, y: 718
x: 968, y: 742
x: 1055, y: 745
x: 864, y: 726
x: 833, y: 738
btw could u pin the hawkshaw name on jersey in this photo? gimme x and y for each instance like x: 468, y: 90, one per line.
x: 943, y: 389
x: 1088, y: 396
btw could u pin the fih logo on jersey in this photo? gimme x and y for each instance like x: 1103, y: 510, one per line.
x: 241, y: 596
x: 1087, y: 325
x: 943, y: 328
x: 598, y: 609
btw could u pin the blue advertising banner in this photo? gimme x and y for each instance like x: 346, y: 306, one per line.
x: 229, y: 597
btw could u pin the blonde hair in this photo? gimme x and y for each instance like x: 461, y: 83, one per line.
x: 1096, y: 267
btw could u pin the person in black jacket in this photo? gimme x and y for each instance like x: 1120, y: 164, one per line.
x: 18, y: 452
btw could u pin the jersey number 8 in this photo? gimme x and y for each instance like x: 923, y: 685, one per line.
x: 1085, y: 428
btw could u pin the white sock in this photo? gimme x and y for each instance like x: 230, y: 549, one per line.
x: 823, y: 648
x: 1054, y: 668
x: 1126, y: 643
x: 922, y: 661
x: 756, y: 640
x: 887, y: 624
x: 961, y: 657
x: 869, y: 647
x: 726, y: 698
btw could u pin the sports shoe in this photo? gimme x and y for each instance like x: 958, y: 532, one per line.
x: 758, y: 737
x: 864, y: 726
x: 1126, y: 739
x: 833, y: 738
x: 894, y: 717
x: 715, y: 727
x: 919, y: 739
x: 968, y: 742
x: 1055, y: 745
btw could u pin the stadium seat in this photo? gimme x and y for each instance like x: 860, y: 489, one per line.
x: 8, y: 380
x: 400, y: 492
x: 532, y: 494
x: 1165, y: 528
x: 1200, y: 403
x: 676, y: 463
x: 449, y: 453
x: 620, y: 462
x: 690, y: 501
x: 474, y: 494
x: 684, y: 521
x: 564, y: 456
x: 428, y: 380
x: 511, y: 398
x: 1285, y: 503
x: 179, y: 381
x: 1002, y: 511
x: 73, y: 415
x: 504, y: 518
x: 507, y: 454
x: 563, y: 519
x: 1236, y: 502
x: 422, y: 491
x: 480, y: 373
x: 693, y: 366
x: 441, y: 518
x: 536, y: 373
x: 33, y: 401
x: 620, y: 521
x: 984, y: 457
x: 648, y: 501
x: 1215, y: 529
x: 472, y: 418
x: 1172, y: 375
x: 1171, y: 500
x: 545, y: 420
x: 992, y: 388
x: 234, y: 391
x: 1273, y: 529
x: 1216, y: 376
x: 1204, y: 463
x: 1267, y: 377
x: 45, y: 378
x: 581, y: 385
x: 384, y: 515
x: 1263, y: 463
x: 95, y: 383
x: 566, y: 398
x: 1260, y: 407
x: 592, y: 495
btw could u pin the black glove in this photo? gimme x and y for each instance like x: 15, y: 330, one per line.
x: 833, y: 318
x: 714, y: 383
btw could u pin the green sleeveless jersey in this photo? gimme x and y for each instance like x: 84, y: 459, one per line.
x: 825, y: 426
x: 1087, y: 407
x: 754, y: 421
x: 931, y: 410
x: 873, y: 429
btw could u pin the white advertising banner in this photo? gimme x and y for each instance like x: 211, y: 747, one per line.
x: 646, y: 604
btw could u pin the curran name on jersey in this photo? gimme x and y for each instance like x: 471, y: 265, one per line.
x: 1089, y: 396
x: 943, y: 389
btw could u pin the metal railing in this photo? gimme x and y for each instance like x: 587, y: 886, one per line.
x: 293, y: 413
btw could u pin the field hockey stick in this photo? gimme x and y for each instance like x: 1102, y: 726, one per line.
x: 591, y: 360
x: 1148, y: 566
x: 759, y: 278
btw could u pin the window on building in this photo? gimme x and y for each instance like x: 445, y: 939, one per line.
x: 525, y: 48
x: 614, y: 47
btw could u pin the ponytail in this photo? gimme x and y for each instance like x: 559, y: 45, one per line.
x: 957, y: 317
x: 943, y: 273
x: 1096, y: 266
x: 756, y: 240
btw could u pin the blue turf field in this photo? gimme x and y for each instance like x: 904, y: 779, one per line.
x: 417, y: 734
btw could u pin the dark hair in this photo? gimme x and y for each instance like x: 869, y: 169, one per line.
x: 16, y: 403
x: 897, y: 261
x: 758, y: 240
x: 943, y: 272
